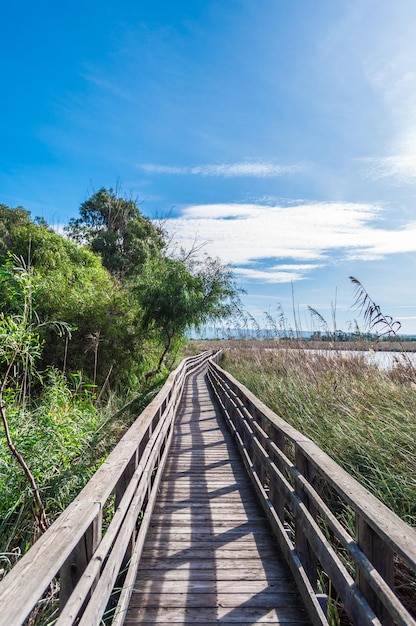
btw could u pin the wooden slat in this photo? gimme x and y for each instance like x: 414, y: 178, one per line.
x: 209, y: 554
x: 395, y: 532
x: 69, y: 543
x: 289, y: 616
x: 24, y: 585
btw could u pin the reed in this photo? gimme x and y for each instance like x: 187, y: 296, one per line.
x: 66, y: 437
x: 364, y: 418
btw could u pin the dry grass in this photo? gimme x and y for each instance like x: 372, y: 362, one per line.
x: 362, y: 417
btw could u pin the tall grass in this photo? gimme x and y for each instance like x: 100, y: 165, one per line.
x: 364, y: 418
x: 65, y: 437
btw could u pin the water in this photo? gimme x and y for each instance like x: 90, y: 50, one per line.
x: 384, y: 360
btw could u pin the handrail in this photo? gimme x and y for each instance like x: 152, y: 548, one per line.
x: 308, y: 498
x: 89, y: 561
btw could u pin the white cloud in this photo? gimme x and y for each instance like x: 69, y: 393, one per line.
x: 257, y: 169
x: 389, y: 68
x: 258, y: 235
x: 400, y: 166
x: 294, y: 267
x: 277, y: 274
x: 378, y: 243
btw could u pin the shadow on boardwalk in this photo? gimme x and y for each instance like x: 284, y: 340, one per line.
x: 209, y: 555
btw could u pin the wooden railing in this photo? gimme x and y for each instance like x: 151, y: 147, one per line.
x: 88, y: 562
x: 336, y: 536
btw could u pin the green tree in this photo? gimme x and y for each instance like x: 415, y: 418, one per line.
x: 173, y: 299
x: 10, y: 221
x: 128, y: 318
x: 114, y: 228
x: 71, y: 284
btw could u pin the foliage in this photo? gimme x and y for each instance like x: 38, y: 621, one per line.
x: 66, y: 438
x: 121, y: 322
x: 139, y: 305
x: 114, y: 228
x: 51, y: 434
x: 374, y: 318
x: 11, y: 220
x: 173, y: 299
x: 19, y: 349
x: 70, y: 283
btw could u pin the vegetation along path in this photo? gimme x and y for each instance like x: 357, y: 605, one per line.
x: 210, y: 555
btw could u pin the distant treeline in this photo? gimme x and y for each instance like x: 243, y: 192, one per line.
x: 300, y: 335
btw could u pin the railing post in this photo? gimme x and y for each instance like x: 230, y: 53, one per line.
x: 382, y: 558
x: 233, y: 412
x: 73, y: 568
x: 276, y: 493
x: 119, y: 491
x: 258, y: 460
x: 125, y: 479
x: 304, y: 550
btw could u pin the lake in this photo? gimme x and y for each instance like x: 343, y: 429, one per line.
x: 381, y: 358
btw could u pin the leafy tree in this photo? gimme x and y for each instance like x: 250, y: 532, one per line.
x: 10, y: 221
x: 124, y: 327
x: 173, y: 299
x: 114, y: 228
x: 71, y: 284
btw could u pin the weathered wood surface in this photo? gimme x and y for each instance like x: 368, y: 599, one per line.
x: 209, y: 555
x: 88, y: 561
x: 301, y: 487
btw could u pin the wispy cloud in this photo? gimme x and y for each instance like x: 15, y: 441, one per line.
x: 254, y: 238
x: 257, y: 169
x: 277, y: 274
x: 400, y: 166
x: 389, y: 68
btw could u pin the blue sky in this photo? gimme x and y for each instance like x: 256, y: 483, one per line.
x: 283, y: 134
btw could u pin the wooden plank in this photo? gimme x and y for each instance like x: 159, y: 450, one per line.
x: 201, y: 586
x: 219, y: 565
x: 74, y: 567
x: 236, y: 539
x: 215, y: 532
x: 22, y: 587
x: 204, y: 552
x: 208, y: 554
x: 210, y: 485
x: 190, y: 495
x: 290, y: 616
x: 382, y: 558
x: 264, y: 599
x: 185, y: 517
x: 185, y: 503
x: 240, y: 623
x: 242, y: 574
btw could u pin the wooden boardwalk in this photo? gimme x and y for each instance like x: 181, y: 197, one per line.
x: 209, y: 555
x: 203, y: 552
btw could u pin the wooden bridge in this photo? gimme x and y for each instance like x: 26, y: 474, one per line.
x: 212, y: 509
